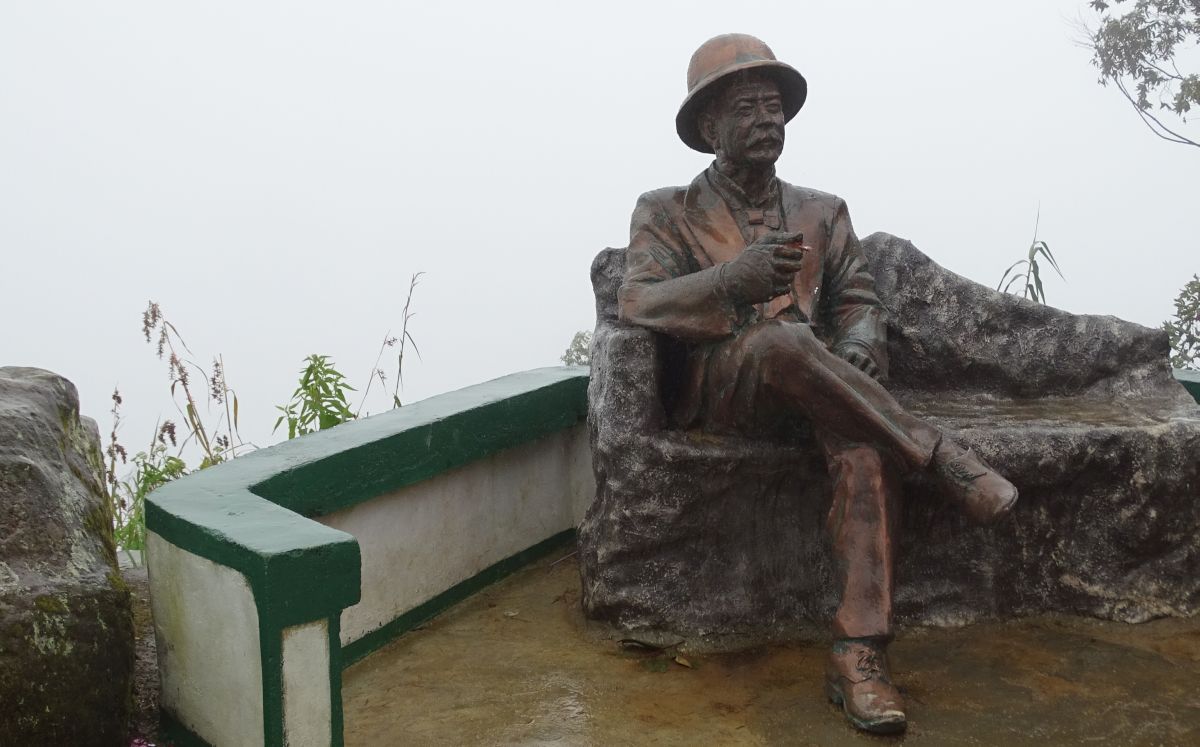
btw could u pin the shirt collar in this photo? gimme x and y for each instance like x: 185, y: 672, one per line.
x: 735, y: 196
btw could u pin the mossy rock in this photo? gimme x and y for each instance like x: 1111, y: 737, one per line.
x: 66, y: 631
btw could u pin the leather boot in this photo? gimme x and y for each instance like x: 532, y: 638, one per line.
x: 979, y: 489
x: 857, y: 678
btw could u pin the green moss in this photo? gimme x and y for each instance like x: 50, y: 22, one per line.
x: 99, y: 523
x: 50, y: 605
x: 118, y: 583
x: 93, y: 520
x: 68, y: 419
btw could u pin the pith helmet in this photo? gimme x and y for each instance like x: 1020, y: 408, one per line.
x: 725, y: 55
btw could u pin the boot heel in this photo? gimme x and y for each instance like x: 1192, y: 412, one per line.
x: 833, y: 693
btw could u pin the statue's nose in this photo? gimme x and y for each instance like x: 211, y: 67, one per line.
x: 767, y: 120
x: 763, y: 115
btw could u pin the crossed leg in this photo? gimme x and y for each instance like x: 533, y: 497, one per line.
x: 783, y: 367
x: 778, y: 368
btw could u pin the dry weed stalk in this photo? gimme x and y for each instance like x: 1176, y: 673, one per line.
x: 216, y: 445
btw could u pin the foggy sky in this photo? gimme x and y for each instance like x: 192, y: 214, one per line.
x: 273, y: 173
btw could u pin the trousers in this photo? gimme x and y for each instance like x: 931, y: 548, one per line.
x: 780, y: 368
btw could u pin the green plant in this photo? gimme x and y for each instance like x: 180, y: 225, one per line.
x: 1027, y: 273
x: 152, y: 468
x: 1184, y: 330
x: 112, y: 493
x: 319, y: 401
x: 155, y: 466
x: 579, y: 352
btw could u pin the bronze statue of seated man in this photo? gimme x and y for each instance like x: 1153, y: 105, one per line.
x: 766, y: 287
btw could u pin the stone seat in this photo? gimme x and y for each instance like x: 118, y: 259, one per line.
x: 719, y: 540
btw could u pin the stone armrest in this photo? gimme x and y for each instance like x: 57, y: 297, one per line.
x: 630, y: 391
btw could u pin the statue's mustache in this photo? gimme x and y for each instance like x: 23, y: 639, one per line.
x: 771, y: 138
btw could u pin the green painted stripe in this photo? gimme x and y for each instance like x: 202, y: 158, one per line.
x: 376, y: 639
x: 433, y: 436
x: 1190, y: 381
x: 336, y: 719
x: 270, y: 648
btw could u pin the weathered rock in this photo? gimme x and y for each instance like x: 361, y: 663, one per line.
x: 720, y: 541
x: 66, y: 635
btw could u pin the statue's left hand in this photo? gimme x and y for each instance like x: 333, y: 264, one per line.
x: 860, y: 360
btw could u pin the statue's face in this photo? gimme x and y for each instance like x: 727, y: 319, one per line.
x: 745, y: 123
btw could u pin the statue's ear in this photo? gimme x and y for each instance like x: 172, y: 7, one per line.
x: 707, y: 124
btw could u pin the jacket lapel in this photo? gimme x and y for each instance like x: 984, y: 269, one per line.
x: 806, y: 288
x: 713, y: 235
x: 711, y: 224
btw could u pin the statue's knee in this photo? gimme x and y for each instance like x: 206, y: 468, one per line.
x: 860, y: 466
x: 782, y: 342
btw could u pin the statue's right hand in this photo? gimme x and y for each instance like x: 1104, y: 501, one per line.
x: 765, y: 269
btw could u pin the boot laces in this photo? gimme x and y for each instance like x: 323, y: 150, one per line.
x: 869, y: 664
x: 958, y: 469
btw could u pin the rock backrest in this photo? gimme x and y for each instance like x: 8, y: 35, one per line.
x: 948, y: 333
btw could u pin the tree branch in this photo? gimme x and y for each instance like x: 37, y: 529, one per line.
x: 1152, y: 122
x: 1165, y: 74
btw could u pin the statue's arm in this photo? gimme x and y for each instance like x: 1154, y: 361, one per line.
x: 664, y: 290
x: 856, y: 316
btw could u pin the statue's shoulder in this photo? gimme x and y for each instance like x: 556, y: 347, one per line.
x: 664, y: 198
x: 809, y: 195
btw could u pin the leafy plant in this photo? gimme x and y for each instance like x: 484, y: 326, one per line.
x: 1138, y: 51
x: 1026, y: 273
x: 1184, y: 330
x: 579, y: 352
x: 319, y: 401
x: 152, y: 469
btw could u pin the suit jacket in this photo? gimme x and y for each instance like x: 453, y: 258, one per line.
x: 678, y: 236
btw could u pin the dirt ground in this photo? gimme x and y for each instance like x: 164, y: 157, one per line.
x: 517, y: 665
x: 144, y: 724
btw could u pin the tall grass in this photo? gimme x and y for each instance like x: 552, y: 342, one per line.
x: 319, y: 401
x: 1026, y: 273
